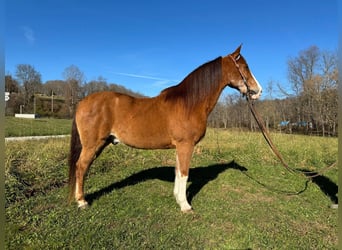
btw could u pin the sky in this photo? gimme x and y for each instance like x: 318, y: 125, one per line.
x: 147, y: 46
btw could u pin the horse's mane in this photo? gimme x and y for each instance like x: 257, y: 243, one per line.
x: 197, y: 86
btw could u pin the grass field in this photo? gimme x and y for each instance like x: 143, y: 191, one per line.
x: 243, y: 199
x: 31, y: 127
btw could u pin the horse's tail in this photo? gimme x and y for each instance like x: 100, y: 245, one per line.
x: 75, y: 151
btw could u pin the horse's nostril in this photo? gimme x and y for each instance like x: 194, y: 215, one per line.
x: 253, y: 92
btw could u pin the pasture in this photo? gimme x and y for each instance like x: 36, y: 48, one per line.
x: 31, y: 127
x: 242, y: 197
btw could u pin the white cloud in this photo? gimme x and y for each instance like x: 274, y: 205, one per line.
x: 158, y: 82
x: 144, y: 77
x: 163, y: 83
x: 152, y: 87
x: 29, y: 34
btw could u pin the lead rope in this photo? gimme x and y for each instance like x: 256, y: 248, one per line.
x: 260, y: 122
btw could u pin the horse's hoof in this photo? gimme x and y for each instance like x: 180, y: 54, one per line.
x: 188, y: 211
x: 83, y: 205
x: 334, y: 206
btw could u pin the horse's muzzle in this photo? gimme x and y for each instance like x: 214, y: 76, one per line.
x: 254, y: 94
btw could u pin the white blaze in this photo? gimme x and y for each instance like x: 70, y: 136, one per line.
x: 257, y: 95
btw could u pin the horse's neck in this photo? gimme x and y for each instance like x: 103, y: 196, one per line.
x: 211, y: 102
x: 199, y: 91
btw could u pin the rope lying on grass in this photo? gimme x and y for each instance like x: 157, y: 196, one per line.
x: 260, y: 122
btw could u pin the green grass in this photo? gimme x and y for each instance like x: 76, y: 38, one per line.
x: 31, y: 127
x: 236, y: 186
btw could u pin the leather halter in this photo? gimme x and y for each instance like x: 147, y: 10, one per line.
x: 242, y: 75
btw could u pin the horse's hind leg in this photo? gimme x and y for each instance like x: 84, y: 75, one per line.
x: 86, y: 158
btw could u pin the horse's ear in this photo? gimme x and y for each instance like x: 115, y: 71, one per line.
x: 236, y: 53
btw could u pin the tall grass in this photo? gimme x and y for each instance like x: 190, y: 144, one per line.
x: 242, y: 196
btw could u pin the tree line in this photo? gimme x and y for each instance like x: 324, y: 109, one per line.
x: 54, y: 98
x: 309, y: 105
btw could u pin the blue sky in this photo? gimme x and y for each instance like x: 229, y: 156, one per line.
x: 150, y: 45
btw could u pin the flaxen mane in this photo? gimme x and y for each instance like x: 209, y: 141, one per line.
x: 197, y: 85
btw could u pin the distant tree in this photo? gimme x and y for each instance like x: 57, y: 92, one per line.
x: 13, y: 104
x: 95, y: 86
x: 302, y: 68
x: 57, y: 87
x: 30, y: 79
x: 231, y: 110
x: 121, y: 89
x: 11, y: 85
x: 216, y: 117
x: 326, y: 97
x: 313, y: 75
x: 74, y: 78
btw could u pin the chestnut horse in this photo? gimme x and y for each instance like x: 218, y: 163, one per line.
x: 176, y: 118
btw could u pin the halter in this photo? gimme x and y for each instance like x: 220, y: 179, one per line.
x: 241, y: 74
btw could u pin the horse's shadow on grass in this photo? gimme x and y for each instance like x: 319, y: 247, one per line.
x: 327, y: 186
x: 198, y: 177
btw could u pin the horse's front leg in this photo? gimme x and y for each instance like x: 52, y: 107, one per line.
x: 183, y: 158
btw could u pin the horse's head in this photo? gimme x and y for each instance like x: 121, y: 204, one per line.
x: 239, y: 75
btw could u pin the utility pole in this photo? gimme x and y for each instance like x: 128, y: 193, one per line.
x: 34, y: 104
x: 52, y: 102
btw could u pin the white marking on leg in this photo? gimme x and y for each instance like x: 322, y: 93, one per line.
x: 179, y: 190
x: 176, y: 188
x: 115, y: 140
x: 182, y: 201
x: 177, y: 175
x: 82, y: 204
